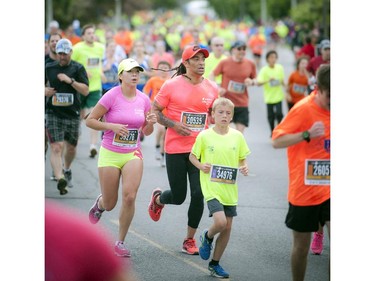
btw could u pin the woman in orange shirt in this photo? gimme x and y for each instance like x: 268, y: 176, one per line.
x: 297, y: 83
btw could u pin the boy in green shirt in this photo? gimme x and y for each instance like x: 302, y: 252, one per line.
x: 219, y: 153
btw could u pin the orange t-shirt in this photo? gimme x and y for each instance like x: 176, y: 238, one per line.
x: 256, y: 44
x: 189, y: 104
x: 152, y: 86
x: 156, y: 58
x: 309, y: 163
x: 125, y: 40
x: 186, y: 39
x: 233, y: 77
x: 297, y: 84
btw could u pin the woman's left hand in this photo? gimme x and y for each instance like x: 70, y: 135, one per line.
x: 151, y: 118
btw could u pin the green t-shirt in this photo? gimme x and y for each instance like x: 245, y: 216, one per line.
x: 221, y: 150
x: 210, y: 63
x: 91, y: 58
x: 273, y: 90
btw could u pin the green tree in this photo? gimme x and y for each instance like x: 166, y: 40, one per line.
x: 94, y: 11
x: 312, y: 12
x: 240, y: 9
x: 306, y: 11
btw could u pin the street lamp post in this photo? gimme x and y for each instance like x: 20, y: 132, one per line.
x: 117, y: 13
x: 263, y: 11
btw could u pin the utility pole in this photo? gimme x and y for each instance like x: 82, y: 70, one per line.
x: 263, y: 11
x: 293, y: 3
x: 325, y: 13
x: 117, y: 13
x: 49, y: 12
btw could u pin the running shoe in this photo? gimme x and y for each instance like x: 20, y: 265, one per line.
x: 68, y: 177
x: 157, y: 153
x: 154, y: 210
x: 61, y: 186
x: 95, y: 213
x: 93, y: 152
x: 52, y: 177
x: 162, y: 161
x: 317, y: 243
x: 218, y: 271
x: 205, y: 247
x: 121, y: 250
x: 189, y: 247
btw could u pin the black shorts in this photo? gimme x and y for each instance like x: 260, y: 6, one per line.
x: 241, y: 115
x: 215, y: 206
x: 308, y: 218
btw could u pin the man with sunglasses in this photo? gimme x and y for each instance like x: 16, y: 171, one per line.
x: 323, y: 58
x: 64, y: 81
x: 217, y: 54
x: 238, y: 73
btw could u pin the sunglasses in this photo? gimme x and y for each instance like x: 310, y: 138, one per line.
x: 219, y: 45
x: 241, y: 48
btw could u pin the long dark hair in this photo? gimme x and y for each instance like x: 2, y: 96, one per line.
x: 180, y: 70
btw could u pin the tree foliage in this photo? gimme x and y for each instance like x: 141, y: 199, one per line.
x: 240, y: 9
x: 94, y: 11
x: 306, y: 11
x: 314, y: 12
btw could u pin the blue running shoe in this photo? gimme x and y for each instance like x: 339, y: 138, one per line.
x: 206, y: 246
x: 218, y: 271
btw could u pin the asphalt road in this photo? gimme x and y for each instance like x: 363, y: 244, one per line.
x: 260, y: 244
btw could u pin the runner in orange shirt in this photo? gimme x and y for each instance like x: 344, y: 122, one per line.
x: 298, y: 83
x: 151, y: 88
x: 256, y: 43
x: 124, y: 38
x: 238, y: 73
x: 306, y: 132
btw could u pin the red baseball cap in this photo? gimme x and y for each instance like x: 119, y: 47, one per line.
x: 191, y: 51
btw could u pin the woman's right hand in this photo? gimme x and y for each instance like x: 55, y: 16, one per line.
x: 120, y: 129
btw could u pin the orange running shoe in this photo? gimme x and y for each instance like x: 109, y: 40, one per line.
x: 189, y: 247
x: 154, y: 210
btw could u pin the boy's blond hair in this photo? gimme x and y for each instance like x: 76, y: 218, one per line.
x: 224, y: 102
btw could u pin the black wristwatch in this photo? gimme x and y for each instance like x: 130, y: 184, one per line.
x: 306, y: 136
x: 73, y: 80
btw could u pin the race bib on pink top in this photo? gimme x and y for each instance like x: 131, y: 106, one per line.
x: 122, y: 110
